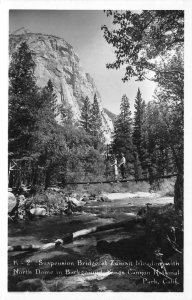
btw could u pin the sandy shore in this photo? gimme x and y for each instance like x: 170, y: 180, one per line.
x: 120, y: 196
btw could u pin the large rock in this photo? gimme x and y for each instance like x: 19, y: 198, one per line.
x: 56, y: 60
x: 76, y: 202
x: 12, y: 202
x: 38, y: 211
x: 21, y: 200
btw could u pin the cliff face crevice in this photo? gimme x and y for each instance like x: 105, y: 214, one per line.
x: 56, y: 60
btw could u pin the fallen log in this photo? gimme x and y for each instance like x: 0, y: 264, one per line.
x: 69, y: 237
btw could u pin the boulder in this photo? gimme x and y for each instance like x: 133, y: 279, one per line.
x: 21, y: 200
x: 76, y: 202
x: 85, y: 198
x: 20, y: 217
x: 28, y: 204
x: 38, y: 211
x: 103, y: 199
x: 12, y: 202
x: 92, y: 198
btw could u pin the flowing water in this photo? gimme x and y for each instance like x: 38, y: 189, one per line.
x: 81, y: 265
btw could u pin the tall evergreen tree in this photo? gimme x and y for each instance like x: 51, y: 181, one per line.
x: 122, y: 140
x: 146, y: 163
x: 138, y: 122
x: 86, y: 115
x: 47, y: 141
x: 122, y: 127
x: 24, y: 102
x: 138, y: 135
x: 50, y: 98
x: 96, y: 123
x: 156, y: 153
x: 21, y: 71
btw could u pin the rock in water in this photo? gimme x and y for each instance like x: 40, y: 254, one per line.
x: 56, y: 60
x: 38, y: 211
x: 76, y: 202
x: 12, y: 202
x: 21, y: 200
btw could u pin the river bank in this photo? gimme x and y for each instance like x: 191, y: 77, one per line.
x: 105, y: 261
x: 59, y: 201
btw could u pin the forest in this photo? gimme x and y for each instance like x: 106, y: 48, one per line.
x: 43, y: 151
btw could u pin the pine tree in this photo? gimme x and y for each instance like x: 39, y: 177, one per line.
x: 155, y: 150
x: 86, y: 115
x: 138, y: 134
x: 24, y: 102
x: 96, y: 124
x: 123, y: 128
x: 47, y: 141
x: 138, y: 122
x: 49, y: 101
x: 21, y: 72
x: 144, y: 149
x: 122, y: 140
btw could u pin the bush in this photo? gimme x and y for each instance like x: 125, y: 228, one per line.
x: 167, y: 187
x: 164, y: 229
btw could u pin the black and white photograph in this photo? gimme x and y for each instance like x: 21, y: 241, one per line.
x: 96, y: 151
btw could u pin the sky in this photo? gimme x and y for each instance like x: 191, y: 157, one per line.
x: 82, y: 29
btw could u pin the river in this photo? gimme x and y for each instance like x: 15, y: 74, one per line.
x: 81, y: 265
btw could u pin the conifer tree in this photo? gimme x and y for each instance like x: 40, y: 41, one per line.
x: 86, y: 115
x: 47, y: 132
x: 122, y: 140
x: 51, y: 97
x: 138, y: 122
x: 21, y: 71
x: 24, y: 101
x: 122, y: 128
x: 144, y: 148
x: 155, y: 150
x: 138, y: 134
x: 96, y: 123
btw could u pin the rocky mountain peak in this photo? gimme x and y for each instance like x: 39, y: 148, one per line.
x: 56, y: 60
x: 21, y: 31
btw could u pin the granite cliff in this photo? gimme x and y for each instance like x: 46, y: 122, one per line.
x: 56, y: 60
